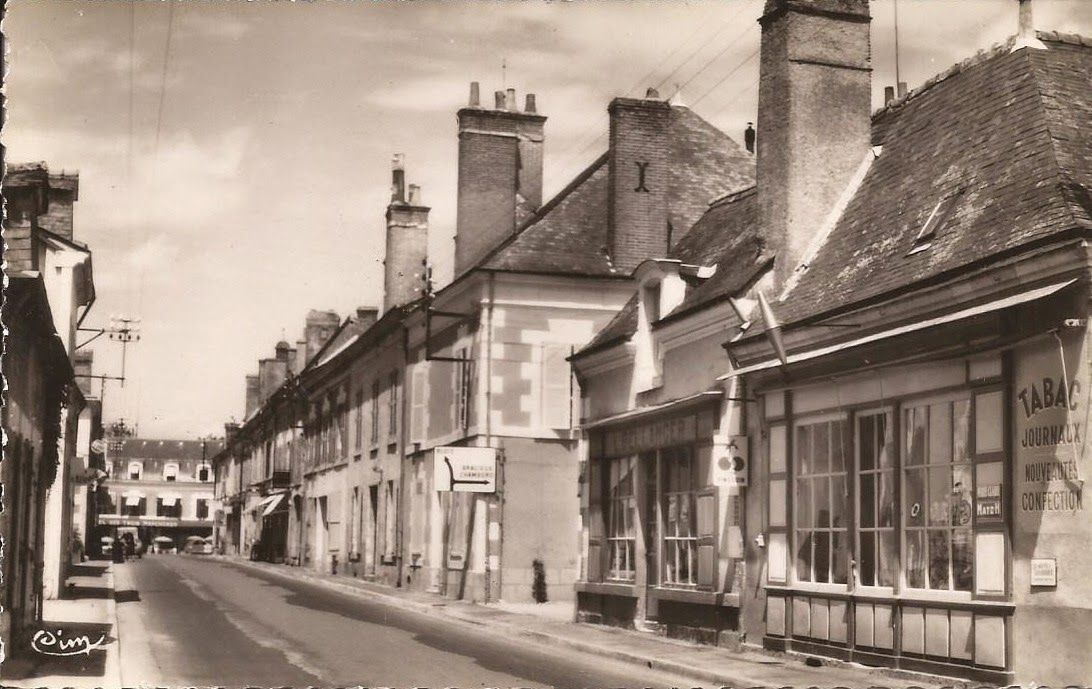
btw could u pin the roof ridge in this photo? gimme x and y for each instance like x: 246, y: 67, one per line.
x: 537, y: 216
x: 733, y: 196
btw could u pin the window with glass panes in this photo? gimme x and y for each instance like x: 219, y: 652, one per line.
x: 359, y: 429
x: 876, y: 537
x: 937, y: 490
x: 375, y: 413
x: 680, y: 538
x: 821, y: 502
x: 622, y: 518
x: 392, y: 406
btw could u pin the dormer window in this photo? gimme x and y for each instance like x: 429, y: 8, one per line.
x: 936, y: 221
x: 135, y: 470
x: 204, y: 473
x: 170, y: 472
x: 652, y: 302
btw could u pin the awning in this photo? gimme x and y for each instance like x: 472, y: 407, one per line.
x: 133, y: 499
x: 265, y: 502
x: 168, y: 500
x: 637, y: 414
x: 988, y: 307
x: 276, y: 502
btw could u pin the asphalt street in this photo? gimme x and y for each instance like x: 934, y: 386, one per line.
x: 188, y: 620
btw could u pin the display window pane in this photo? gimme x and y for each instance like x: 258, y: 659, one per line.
x: 868, y: 559
x: 914, y: 485
x: 939, y: 559
x: 915, y: 559
x: 867, y: 450
x: 868, y: 500
x: 819, y: 507
x: 621, y: 529
x: 885, y: 508
x: 820, y: 449
x: 962, y: 560
x: 940, y: 497
x: 940, y: 433
x: 888, y: 552
x: 961, y: 429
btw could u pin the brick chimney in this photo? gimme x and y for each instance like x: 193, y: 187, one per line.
x: 230, y: 429
x: 318, y: 328
x: 26, y: 194
x: 64, y: 191
x: 252, y: 395
x: 366, y: 316
x: 407, y: 241
x: 639, y: 179
x: 500, y: 173
x: 271, y: 375
x: 814, y: 116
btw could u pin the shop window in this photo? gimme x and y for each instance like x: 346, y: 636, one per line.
x: 202, y: 508
x: 680, y: 539
x: 621, y: 525
x: 876, y: 537
x: 821, y: 498
x: 170, y: 472
x: 136, y: 469
x: 937, y: 482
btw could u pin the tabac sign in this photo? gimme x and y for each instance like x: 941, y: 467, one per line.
x: 465, y: 469
x: 1050, y: 413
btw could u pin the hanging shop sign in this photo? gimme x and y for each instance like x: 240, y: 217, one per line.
x: 465, y: 469
x: 1050, y: 413
x: 730, y: 460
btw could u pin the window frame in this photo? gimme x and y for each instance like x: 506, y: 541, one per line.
x: 624, y: 504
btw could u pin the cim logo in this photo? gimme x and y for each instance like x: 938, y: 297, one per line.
x: 50, y: 644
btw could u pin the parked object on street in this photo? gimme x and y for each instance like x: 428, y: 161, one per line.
x: 195, y: 545
x: 106, y: 545
x: 163, y: 544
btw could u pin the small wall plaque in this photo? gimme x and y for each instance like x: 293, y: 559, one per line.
x: 1044, y: 571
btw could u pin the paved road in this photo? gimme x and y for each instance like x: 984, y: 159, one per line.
x: 196, y: 621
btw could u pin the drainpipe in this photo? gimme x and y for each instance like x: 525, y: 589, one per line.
x: 489, y: 439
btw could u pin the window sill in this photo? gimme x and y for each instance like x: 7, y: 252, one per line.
x: 903, y: 600
x: 607, y: 588
x: 681, y: 595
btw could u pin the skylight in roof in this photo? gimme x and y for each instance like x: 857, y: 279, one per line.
x: 936, y: 221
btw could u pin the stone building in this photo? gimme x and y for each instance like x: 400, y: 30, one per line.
x: 887, y: 465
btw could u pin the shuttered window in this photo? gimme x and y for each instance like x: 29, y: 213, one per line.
x: 419, y: 404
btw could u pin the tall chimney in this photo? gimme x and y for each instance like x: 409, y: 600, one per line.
x: 318, y: 328
x: 639, y: 164
x: 1025, y: 32
x: 271, y: 375
x: 252, y: 395
x: 814, y: 115
x: 64, y: 191
x: 407, y: 250
x: 500, y: 176
x: 475, y: 95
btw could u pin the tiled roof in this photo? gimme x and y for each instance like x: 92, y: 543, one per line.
x: 138, y: 448
x: 726, y: 236
x: 1011, y: 129
x: 569, y: 234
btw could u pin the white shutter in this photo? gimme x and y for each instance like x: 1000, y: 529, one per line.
x: 419, y: 404
x: 556, y: 387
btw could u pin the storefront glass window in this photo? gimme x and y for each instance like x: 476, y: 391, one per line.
x: 820, y: 490
x: 680, y: 528
x: 622, y: 529
x: 938, y: 488
x: 876, y: 499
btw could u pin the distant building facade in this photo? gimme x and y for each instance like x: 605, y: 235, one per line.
x: 160, y: 487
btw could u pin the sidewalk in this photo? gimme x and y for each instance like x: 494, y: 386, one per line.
x: 87, y: 611
x: 552, y: 623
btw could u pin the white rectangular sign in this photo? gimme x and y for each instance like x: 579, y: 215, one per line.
x: 465, y: 469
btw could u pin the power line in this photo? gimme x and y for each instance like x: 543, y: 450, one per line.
x: 731, y: 44
x: 729, y: 74
x: 163, y: 76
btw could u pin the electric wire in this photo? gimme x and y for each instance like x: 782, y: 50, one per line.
x: 163, y: 75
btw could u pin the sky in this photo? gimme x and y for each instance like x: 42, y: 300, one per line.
x: 234, y: 157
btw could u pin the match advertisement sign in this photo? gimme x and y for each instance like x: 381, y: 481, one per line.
x: 465, y: 469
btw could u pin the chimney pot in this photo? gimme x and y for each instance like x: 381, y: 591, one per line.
x: 414, y: 195
x: 902, y: 89
x: 652, y: 93
x: 510, y: 100
x: 475, y: 95
x: 498, y: 96
x: 1027, y: 24
x: 888, y: 94
x: 529, y: 106
x: 398, y: 178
